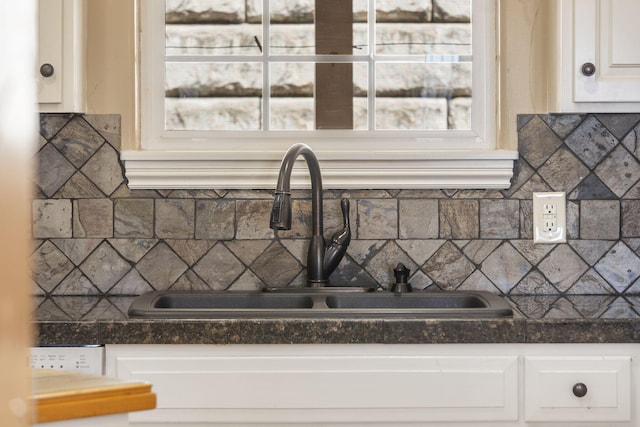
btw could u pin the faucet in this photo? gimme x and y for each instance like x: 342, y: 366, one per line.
x: 322, y: 259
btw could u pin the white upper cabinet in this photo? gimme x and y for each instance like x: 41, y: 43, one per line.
x: 599, y: 57
x: 61, y: 56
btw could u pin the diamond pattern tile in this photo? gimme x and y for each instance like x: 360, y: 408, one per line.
x: 93, y: 235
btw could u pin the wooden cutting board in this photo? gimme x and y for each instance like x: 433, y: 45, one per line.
x: 59, y: 395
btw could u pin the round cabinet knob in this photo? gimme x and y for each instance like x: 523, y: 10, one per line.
x: 46, y: 70
x: 579, y: 390
x: 588, y: 69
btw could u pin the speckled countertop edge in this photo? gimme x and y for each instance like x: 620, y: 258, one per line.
x: 338, y: 331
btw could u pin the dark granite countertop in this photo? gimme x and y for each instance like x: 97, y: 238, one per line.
x: 73, y: 320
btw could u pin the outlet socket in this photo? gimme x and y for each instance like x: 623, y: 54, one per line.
x: 549, y: 217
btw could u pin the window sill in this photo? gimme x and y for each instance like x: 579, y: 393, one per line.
x: 389, y: 169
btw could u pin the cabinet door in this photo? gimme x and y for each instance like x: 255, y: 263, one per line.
x: 606, y: 34
x: 50, y: 51
x: 564, y: 389
x: 61, y: 76
x: 261, y: 385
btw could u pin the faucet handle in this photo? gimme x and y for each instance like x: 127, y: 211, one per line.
x: 344, y: 206
x: 339, y: 241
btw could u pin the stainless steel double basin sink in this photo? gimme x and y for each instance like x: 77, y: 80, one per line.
x: 318, y: 303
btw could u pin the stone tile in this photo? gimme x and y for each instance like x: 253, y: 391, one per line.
x: 600, y: 219
x: 522, y: 172
x: 526, y: 219
x: 219, y: 268
x: 104, y: 310
x: 563, y: 171
x: 619, y: 171
x: 193, y: 194
x: 591, y: 141
x: 505, y: 267
x: 247, y: 282
x: 191, y: 282
x: 105, y: 267
x: 523, y: 119
x: 448, y: 267
x: 533, y: 252
x: 189, y: 250
x: 459, y: 219
x: 252, y: 219
x: 133, y: 249
x: 77, y: 250
x: 79, y: 187
x: 248, y: 250
x: 534, y: 184
x: 534, y: 283
x: 619, y: 309
x: 75, y: 283
x: 377, y: 219
x: 77, y: 141
x: 536, y: 142
x: 630, y: 218
x: 418, y: 219
x: 92, y: 218
x: 175, y: 219
x: 591, y: 250
x: 381, y: 265
x: 53, y: 170
x: 52, y: 218
x: 499, y: 219
x: 161, y: 267
x: 348, y: 273
x: 276, y: 267
x: 478, y: 250
x: 50, y: 124
x: 620, y: 267
x: 420, y: 250
x: 104, y: 169
x: 215, y: 219
x: 619, y: 124
x: 108, y: 125
x: 131, y: 284
x: 632, y: 141
x: 364, y: 250
x: 591, y: 283
x: 592, y: 188
x: 573, y: 220
x: 563, y: 267
x: 591, y: 306
x: 50, y: 266
x: 563, y: 124
x: 478, y: 282
x: 133, y: 218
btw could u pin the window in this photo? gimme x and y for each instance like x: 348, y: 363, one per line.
x: 387, y: 93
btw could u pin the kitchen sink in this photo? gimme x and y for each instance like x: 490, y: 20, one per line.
x: 318, y: 304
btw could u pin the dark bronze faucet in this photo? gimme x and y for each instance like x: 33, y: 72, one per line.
x: 322, y: 259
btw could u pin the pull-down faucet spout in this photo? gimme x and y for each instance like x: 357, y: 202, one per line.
x: 321, y: 259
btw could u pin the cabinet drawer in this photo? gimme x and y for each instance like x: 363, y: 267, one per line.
x: 550, y: 393
x: 329, y: 388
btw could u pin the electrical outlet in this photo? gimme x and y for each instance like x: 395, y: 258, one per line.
x: 549, y: 217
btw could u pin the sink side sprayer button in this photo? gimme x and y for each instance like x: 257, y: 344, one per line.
x: 401, y: 274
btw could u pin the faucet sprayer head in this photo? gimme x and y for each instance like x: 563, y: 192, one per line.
x: 281, y: 211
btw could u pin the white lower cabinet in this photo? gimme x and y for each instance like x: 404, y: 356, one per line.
x: 382, y: 385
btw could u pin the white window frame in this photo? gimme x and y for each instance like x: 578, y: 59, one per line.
x: 349, y: 159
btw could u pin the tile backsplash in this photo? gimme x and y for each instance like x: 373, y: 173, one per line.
x: 94, y: 236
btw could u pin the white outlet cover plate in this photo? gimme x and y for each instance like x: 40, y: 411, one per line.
x: 559, y: 234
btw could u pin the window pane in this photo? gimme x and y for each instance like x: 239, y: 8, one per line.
x: 423, y: 96
x: 292, y: 103
x: 407, y: 27
x: 213, y: 27
x: 213, y: 96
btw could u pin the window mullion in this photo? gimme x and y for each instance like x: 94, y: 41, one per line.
x: 266, y: 69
